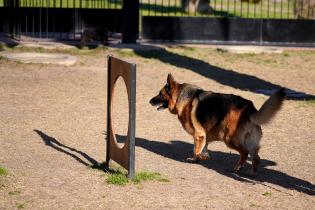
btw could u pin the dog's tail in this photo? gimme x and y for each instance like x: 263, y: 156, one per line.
x: 269, y: 108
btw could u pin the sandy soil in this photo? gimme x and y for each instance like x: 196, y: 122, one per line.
x: 53, y: 120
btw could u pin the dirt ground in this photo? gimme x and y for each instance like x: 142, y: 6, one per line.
x: 53, y: 119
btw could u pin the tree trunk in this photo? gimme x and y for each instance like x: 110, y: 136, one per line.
x: 201, y: 6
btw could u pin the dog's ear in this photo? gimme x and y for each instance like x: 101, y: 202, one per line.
x: 170, y: 80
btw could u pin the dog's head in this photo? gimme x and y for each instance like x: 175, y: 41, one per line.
x: 165, y: 98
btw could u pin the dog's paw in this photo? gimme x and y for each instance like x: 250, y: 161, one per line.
x: 252, y: 174
x: 237, y: 169
x: 191, y: 160
x: 204, y: 156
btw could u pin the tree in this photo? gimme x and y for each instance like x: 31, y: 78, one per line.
x: 305, y: 9
x: 201, y: 6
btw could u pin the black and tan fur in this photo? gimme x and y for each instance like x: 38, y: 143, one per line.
x: 210, y: 116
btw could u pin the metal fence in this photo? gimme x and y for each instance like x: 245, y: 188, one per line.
x: 82, y: 4
x: 271, y: 9
x: 60, y: 19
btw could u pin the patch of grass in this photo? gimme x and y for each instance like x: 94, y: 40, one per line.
x: 248, y: 55
x: 221, y: 50
x: 267, y: 61
x: 3, y: 171
x: 306, y: 103
x: 119, y: 177
x: 148, y: 176
x: 253, y: 205
x: 188, y: 51
x: 1, y: 47
x: 267, y: 194
x: 74, y: 51
x: 20, y: 206
x: 2, y: 58
x: 126, y: 53
x: 286, y: 54
x: 16, y: 192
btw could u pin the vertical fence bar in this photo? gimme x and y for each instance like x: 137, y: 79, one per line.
x: 255, y: 9
x: 247, y: 9
x: 40, y: 22
x: 281, y: 8
x: 33, y: 23
x: 26, y: 25
x: 274, y: 8
x: 241, y: 8
x: 182, y: 11
x: 175, y: 7
x: 302, y: 7
x: 268, y: 8
x: 168, y: 10
x: 261, y: 8
x: 228, y: 8
x: 234, y: 7
x: 54, y: 20
x: 155, y: 7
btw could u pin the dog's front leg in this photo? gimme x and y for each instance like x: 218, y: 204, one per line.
x: 200, y: 147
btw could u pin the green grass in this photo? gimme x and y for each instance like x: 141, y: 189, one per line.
x: 148, y: 176
x: 16, y: 192
x: 72, y: 51
x: 126, y: 53
x: 2, y: 47
x: 253, y: 205
x: 267, y: 194
x: 3, y: 171
x: 20, y: 206
x: 307, y: 103
x: 119, y: 177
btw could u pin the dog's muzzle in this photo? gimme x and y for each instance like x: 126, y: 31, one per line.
x: 161, y: 104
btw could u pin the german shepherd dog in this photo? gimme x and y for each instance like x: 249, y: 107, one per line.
x: 210, y: 116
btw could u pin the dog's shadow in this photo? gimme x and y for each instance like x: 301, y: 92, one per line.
x: 223, y: 163
x: 177, y: 150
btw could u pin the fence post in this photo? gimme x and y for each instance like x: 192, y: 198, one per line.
x: 14, y: 27
x: 130, y: 21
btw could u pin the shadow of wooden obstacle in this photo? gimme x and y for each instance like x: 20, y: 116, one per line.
x: 125, y: 156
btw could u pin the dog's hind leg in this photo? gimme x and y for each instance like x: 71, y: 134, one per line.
x: 242, y: 160
x: 253, y: 146
x: 255, y: 162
